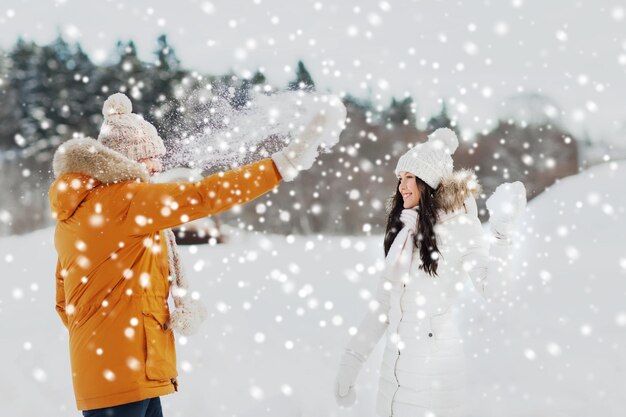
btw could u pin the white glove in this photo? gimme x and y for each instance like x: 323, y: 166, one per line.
x: 323, y: 129
x: 505, y: 205
x: 349, y: 368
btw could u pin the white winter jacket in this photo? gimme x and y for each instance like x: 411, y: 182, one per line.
x: 423, y: 368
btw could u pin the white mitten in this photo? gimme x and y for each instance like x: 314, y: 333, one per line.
x: 323, y: 129
x: 188, y: 315
x: 505, y: 205
x: 349, y: 368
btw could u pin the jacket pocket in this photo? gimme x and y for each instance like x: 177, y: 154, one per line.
x: 443, y: 326
x: 160, y: 349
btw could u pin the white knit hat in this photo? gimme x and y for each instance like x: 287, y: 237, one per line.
x: 430, y: 161
x: 128, y: 133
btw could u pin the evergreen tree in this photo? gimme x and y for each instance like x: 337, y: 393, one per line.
x: 84, y: 95
x: 166, y: 56
x: 440, y: 120
x: 364, y: 105
x: 26, y: 79
x: 58, y: 68
x: 129, y: 76
x: 258, y: 78
x: 303, y: 80
x: 166, y: 75
x: 166, y: 71
x: 401, y: 112
x: 10, y: 110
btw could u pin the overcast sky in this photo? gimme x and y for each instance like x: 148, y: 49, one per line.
x: 474, y: 54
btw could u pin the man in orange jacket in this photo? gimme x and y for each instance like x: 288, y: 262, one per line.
x: 114, y: 268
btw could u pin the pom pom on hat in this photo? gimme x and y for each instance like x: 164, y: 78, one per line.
x: 445, y: 138
x: 127, y: 133
x: 431, y: 161
x: 117, y: 103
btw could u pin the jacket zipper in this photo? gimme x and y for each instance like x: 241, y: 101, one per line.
x: 395, y: 366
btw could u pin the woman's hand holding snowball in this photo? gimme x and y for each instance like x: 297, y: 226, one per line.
x: 505, y: 206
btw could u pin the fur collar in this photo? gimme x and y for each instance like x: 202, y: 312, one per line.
x: 89, y: 157
x: 455, y: 189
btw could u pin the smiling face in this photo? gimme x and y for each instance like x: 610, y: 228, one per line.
x: 409, y: 190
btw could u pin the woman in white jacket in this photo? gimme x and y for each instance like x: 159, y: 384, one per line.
x: 432, y: 242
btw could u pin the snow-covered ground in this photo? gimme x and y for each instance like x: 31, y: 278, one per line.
x: 282, y: 306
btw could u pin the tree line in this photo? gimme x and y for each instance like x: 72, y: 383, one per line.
x: 51, y: 93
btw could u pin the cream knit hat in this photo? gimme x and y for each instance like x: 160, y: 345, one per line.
x: 128, y: 133
x: 430, y: 161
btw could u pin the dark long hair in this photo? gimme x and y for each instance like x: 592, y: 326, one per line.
x: 425, y: 238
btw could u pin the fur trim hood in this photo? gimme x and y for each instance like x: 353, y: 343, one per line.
x: 455, y: 189
x: 89, y: 157
x: 82, y: 164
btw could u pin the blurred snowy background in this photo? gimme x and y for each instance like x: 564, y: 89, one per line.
x: 534, y: 89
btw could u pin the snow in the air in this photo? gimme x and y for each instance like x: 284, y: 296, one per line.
x: 282, y: 308
x: 534, y: 90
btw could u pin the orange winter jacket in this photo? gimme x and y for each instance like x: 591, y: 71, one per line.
x: 112, y: 270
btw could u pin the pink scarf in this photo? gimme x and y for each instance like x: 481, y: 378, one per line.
x: 188, y: 313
